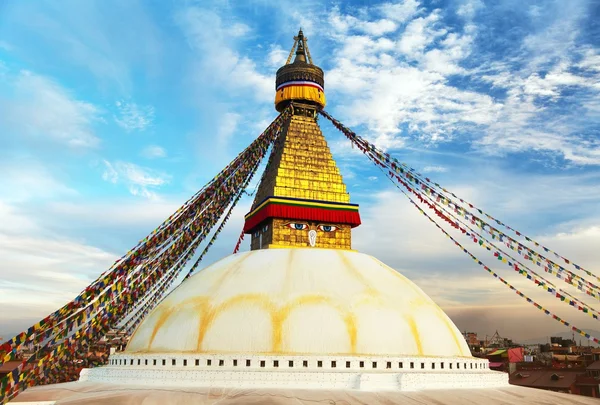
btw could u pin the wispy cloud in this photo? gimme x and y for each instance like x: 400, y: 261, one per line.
x: 24, y: 179
x: 133, y: 117
x: 90, y: 37
x: 435, y: 169
x: 228, y: 126
x: 214, y: 40
x: 139, y: 180
x: 154, y: 152
x: 40, y: 108
x: 277, y: 56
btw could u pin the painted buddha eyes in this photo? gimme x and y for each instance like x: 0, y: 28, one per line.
x: 327, y: 228
x: 299, y: 226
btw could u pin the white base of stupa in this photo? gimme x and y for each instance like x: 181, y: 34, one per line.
x: 306, y: 372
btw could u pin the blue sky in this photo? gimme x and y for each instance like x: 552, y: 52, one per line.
x: 114, y: 112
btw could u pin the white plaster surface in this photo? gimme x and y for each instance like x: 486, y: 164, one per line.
x: 299, y: 301
x: 87, y: 393
x: 370, y: 373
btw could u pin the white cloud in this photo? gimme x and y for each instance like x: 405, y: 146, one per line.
x: 40, y: 108
x: 420, y: 33
x: 41, y: 269
x: 400, y: 12
x: 344, y: 23
x: 238, y: 29
x: 469, y: 8
x: 110, y: 174
x: 154, y: 152
x: 40, y: 274
x: 133, y: 117
x: 139, y: 180
x: 91, y: 38
x: 435, y: 169
x: 590, y: 60
x: 24, y: 179
x: 228, y: 126
x: 214, y: 42
x: 277, y: 56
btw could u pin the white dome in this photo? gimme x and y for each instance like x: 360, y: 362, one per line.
x: 299, y: 301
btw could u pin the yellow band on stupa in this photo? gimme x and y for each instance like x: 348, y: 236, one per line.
x: 307, y: 91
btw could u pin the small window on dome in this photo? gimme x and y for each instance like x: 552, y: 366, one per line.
x: 471, y: 366
x: 248, y: 362
x: 184, y: 362
x: 146, y: 362
x: 208, y: 362
x: 173, y: 362
x: 139, y: 362
x: 400, y: 365
x: 422, y: 365
x: 412, y: 364
x: 442, y: 364
x: 319, y: 363
x: 450, y: 364
x: 361, y: 364
x: 457, y: 365
x: 389, y: 364
x: 164, y: 362
x: 291, y: 363
x: 154, y: 362
x: 374, y: 364
x: 333, y: 364
x: 221, y: 363
x: 465, y: 365
x: 262, y: 363
x: 197, y: 362
x: 275, y: 363
x: 347, y: 364
x: 234, y: 363
x: 433, y: 366
x: 305, y: 363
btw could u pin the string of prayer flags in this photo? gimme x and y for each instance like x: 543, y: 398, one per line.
x: 414, y: 177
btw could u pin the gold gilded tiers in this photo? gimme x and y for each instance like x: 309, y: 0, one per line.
x: 301, y: 167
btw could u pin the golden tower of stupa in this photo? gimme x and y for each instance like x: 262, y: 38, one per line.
x: 302, y: 199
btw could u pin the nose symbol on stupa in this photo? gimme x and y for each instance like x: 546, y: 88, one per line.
x: 312, y: 237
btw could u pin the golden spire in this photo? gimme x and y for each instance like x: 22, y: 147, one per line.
x: 302, y: 200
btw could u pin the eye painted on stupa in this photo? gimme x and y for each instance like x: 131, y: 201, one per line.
x: 327, y: 228
x: 298, y: 226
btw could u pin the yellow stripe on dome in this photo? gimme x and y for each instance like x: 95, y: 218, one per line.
x: 294, y: 92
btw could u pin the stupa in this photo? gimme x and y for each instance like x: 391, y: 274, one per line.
x: 301, y: 317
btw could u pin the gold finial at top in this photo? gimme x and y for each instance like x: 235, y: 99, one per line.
x: 301, y: 47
